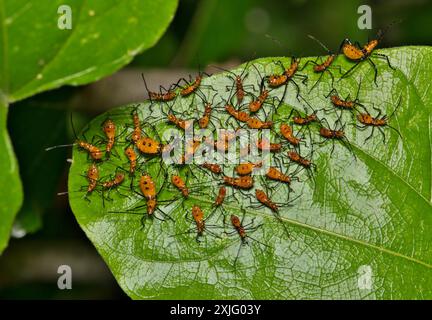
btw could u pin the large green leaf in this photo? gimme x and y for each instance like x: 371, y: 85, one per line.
x: 36, y: 55
x: 366, y: 211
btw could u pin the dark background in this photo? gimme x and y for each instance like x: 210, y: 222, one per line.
x: 224, y: 32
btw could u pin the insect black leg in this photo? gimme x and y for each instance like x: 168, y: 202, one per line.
x: 375, y: 70
x: 349, y: 71
x: 298, y: 90
x: 383, y: 56
x: 370, y: 136
x: 319, y: 79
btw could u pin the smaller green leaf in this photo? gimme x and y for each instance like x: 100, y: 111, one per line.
x: 10, y: 184
x: 93, y: 48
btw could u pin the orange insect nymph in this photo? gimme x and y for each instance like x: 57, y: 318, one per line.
x: 136, y: 133
x: 295, y: 157
x: 235, y: 221
x: 132, y: 157
x: 244, y: 169
x: 287, y: 132
x: 192, y: 87
x: 118, y: 179
x: 94, y: 152
x: 274, y: 174
x: 331, y: 134
x: 305, y: 120
x: 148, y: 189
x: 265, y: 200
x: 245, y: 182
x: 178, y: 182
x: 275, y: 81
x: 147, y: 145
x: 198, y: 216
x: 265, y: 145
x: 220, y: 197
x: 93, y: 177
x: 255, y: 123
x: 215, y: 168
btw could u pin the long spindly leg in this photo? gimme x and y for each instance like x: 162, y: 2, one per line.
x: 298, y: 89
x: 383, y: 56
x: 375, y: 70
x: 319, y: 79
x: 370, y: 136
x: 331, y: 76
x: 397, y: 131
x: 283, y: 97
x: 307, y: 62
x: 382, y: 133
x: 350, y: 70
x: 378, y: 110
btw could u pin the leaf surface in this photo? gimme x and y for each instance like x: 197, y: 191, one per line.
x: 358, y: 227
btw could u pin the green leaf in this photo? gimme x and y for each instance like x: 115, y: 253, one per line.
x: 36, y: 55
x: 359, y: 228
x: 10, y: 184
x: 49, y: 57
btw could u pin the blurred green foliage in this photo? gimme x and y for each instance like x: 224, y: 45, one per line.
x: 211, y: 31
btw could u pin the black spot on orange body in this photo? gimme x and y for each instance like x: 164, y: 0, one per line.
x: 147, y: 145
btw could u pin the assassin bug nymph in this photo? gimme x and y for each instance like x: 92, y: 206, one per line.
x: 238, y: 82
x: 324, y: 66
x: 200, y: 223
x: 149, y: 192
x: 92, y: 150
x: 257, y: 103
x: 334, y: 134
x: 357, y: 53
x: 345, y: 103
x: 193, y: 85
x: 379, y: 121
x: 243, y: 230
x: 168, y: 94
x: 287, y: 75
